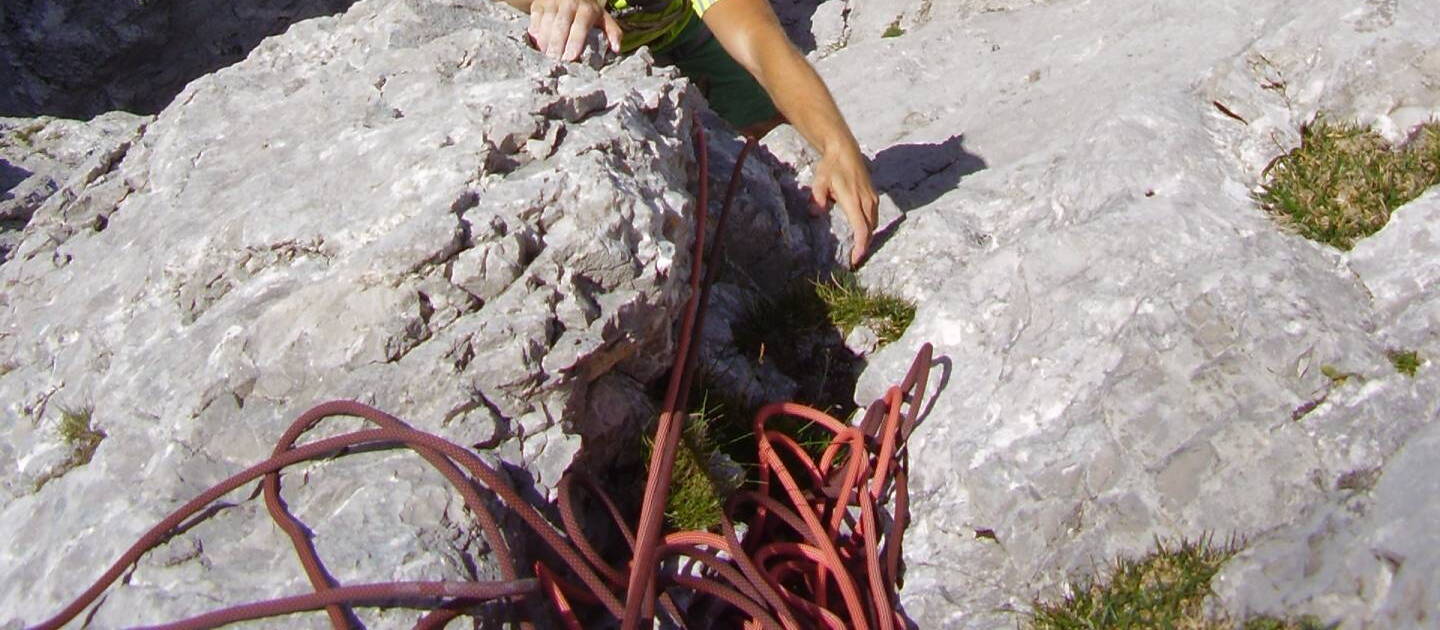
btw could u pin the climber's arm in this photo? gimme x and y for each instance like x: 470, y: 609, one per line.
x: 750, y: 32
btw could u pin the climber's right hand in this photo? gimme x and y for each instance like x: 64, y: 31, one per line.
x: 559, y: 27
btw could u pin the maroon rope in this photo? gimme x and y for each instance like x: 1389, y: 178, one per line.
x: 812, y: 554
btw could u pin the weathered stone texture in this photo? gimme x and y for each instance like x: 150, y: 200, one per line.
x: 403, y: 204
x: 1130, y: 348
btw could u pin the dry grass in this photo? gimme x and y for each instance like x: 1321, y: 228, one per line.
x: 1344, y: 180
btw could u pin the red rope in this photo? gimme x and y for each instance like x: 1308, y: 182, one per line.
x: 815, y: 552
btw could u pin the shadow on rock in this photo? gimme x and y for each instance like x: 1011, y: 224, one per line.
x: 13, y: 216
x: 10, y: 177
x: 796, y: 17
x: 74, y: 59
x: 917, y: 174
x: 914, y: 175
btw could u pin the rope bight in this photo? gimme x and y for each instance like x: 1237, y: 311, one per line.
x: 816, y: 544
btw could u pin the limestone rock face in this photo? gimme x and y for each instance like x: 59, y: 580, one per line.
x: 1129, y: 347
x: 1365, y: 555
x: 407, y: 205
x: 403, y: 204
x: 40, y: 156
x: 1367, y: 559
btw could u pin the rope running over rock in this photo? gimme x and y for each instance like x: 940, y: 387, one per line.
x: 820, y: 544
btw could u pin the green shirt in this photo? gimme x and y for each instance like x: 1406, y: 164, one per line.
x: 655, y: 23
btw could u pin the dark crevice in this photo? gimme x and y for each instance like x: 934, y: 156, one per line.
x: 78, y: 59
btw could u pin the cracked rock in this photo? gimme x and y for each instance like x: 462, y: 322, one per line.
x: 380, y: 206
x: 1124, y: 336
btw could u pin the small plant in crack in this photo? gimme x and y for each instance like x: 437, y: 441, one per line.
x: 82, y: 438
x: 801, y: 332
x: 1406, y: 362
x: 848, y: 305
x: 696, y: 501
x: 1343, y: 181
x: 893, y: 30
x: 1272, y: 78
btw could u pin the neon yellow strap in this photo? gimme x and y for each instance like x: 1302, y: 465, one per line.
x: 657, y: 29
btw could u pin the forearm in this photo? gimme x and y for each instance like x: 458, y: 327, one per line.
x: 805, y: 101
x: 752, y: 35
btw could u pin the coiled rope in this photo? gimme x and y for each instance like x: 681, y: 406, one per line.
x: 817, y: 544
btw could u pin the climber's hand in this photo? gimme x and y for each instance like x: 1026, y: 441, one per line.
x: 559, y: 27
x: 843, y: 177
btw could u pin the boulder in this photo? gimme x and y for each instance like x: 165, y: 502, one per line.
x: 403, y: 205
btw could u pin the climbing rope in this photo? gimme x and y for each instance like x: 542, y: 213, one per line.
x: 816, y: 544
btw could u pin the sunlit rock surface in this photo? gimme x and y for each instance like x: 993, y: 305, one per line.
x: 402, y: 204
x: 1129, y: 346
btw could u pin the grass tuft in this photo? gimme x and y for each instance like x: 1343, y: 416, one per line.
x: 838, y: 302
x: 893, y: 30
x: 1406, y: 362
x: 697, y: 496
x: 1165, y: 589
x: 1344, y: 180
x: 82, y: 439
x: 76, y: 431
x: 729, y: 430
x: 801, y: 333
x: 848, y: 306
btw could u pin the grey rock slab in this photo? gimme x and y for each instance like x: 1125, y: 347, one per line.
x: 1400, y: 266
x: 1127, y: 346
x: 39, y: 157
x: 402, y: 205
x: 1365, y: 560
